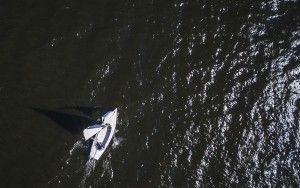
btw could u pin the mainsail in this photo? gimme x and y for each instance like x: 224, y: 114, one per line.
x: 91, y: 131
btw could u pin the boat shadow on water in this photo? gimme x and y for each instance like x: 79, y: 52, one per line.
x: 73, y: 118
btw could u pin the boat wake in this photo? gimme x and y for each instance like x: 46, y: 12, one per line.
x: 88, y: 169
x: 78, y: 167
x: 74, y: 165
x: 77, y: 145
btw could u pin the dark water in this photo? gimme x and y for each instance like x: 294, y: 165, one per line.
x: 208, y: 92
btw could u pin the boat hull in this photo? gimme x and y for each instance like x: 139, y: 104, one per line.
x: 105, y: 135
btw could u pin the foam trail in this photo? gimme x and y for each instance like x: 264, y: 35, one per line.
x: 69, y: 163
x: 89, y: 167
x: 79, y: 144
x: 116, y: 142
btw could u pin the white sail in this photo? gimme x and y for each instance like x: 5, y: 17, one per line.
x: 91, y: 131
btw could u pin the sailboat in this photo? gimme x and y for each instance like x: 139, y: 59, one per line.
x: 101, y: 133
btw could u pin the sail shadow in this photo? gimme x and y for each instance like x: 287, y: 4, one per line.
x: 88, y: 110
x: 70, y: 119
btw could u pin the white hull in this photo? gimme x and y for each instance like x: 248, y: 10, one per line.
x: 105, y: 134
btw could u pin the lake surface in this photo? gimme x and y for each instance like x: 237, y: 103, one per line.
x: 208, y: 92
